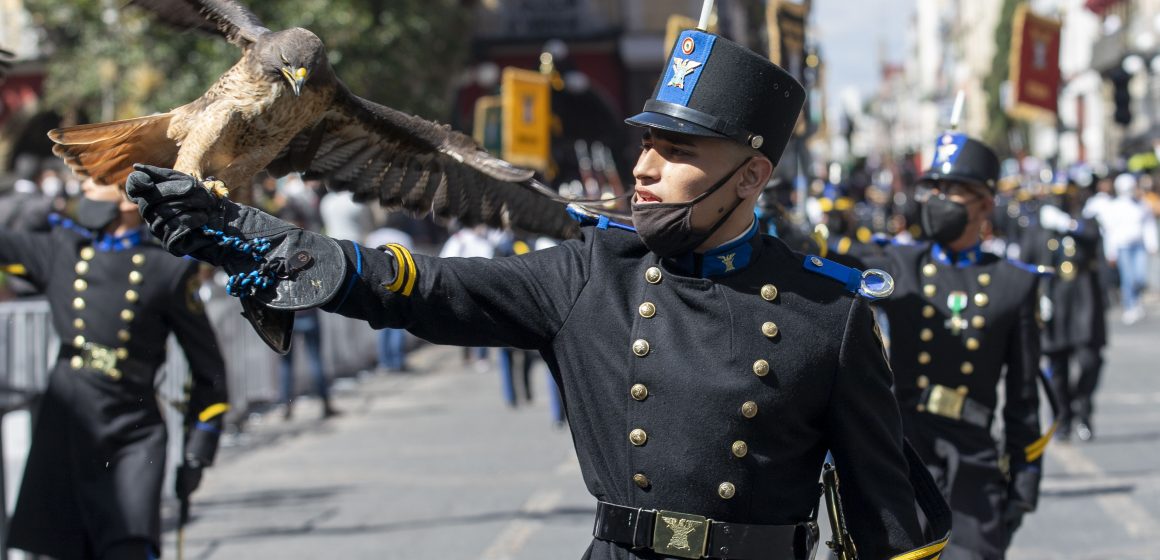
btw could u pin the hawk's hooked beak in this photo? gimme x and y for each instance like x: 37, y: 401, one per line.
x: 296, y: 77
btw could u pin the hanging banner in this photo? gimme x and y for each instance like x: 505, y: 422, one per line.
x: 527, y: 118
x: 785, y: 23
x: 1035, y: 75
x: 488, y: 123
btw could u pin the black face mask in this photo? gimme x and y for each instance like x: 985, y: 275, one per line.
x: 666, y: 228
x: 97, y: 214
x: 943, y: 220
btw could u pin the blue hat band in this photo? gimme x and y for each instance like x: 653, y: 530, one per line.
x: 716, y: 124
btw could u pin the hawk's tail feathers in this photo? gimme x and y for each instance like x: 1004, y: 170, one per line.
x: 107, y: 151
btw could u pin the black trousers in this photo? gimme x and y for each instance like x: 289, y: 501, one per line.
x: 1074, y: 393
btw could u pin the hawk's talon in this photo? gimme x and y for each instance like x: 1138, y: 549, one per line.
x: 216, y: 187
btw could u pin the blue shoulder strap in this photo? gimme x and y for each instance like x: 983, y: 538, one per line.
x: 585, y: 217
x: 872, y: 284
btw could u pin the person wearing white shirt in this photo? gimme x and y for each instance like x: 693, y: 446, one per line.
x: 1130, y: 236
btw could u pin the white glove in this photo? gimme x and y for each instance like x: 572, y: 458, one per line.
x: 1054, y: 219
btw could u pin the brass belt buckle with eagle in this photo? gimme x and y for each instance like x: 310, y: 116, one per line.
x: 680, y: 534
x: 100, y: 358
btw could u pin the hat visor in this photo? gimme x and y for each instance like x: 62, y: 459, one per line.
x: 649, y: 119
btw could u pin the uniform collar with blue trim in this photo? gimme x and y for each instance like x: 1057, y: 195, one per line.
x: 968, y: 257
x: 101, y: 241
x: 734, y: 255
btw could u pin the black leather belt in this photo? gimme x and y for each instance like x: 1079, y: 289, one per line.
x: 684, y: 535
x: 95, y: 357
x: 954, y: 404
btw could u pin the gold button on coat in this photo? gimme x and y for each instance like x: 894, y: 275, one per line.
x: 641, y: 480
x: 123, y: 335
x: 77, y: 362
x: 138, y: 259
x: 749, y: 409
x: 647, y: 310
x: 982, y: 300
x: 639, y: 392
x: 88, y: 253
x: 726, y: 490
x: 769, y: 292
x: 929, y: 270
x: 79, y: 324
x: 638, y: 437
x: 652, y: 275
x: 122, y: 353
x: 924, y: 358
x: 136, y: 277
x: 978, y: 321
x: 984, y: 279
x: 79, y: 341
x: 967, y: 368
x: 923, y: 382
x: 930, y: 290
x: 769, y: 329
x: 640, y: 347
x: 740, y: 449
x: 1052, y: 244
x: 131, y: 296
x: 114, y: 373
x: 925, y: 335
x: 972, y: 344
x: 928, y: 311
x: 80, y: 285
x: 82, y: 267
x: 127, y: 315
x: 78, y: 303
x: 761, y: 368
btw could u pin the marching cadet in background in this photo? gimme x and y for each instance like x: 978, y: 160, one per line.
x: 959, y: 318
x: 1072, y: 306
x: 92, y: 484
x: 705, y: 368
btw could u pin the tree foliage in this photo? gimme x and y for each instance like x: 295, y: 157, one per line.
x: 106, y: 62
x: 999, y: 123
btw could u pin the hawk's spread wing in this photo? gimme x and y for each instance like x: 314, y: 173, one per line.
x: 406, y: 162
x: 227, y: 18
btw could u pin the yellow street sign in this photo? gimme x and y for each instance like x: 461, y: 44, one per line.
x: 527, y: 118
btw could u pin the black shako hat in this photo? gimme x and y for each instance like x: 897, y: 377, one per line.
x: 715, y: 87
x: 958, y: 157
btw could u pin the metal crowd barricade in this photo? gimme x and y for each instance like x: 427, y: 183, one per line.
x: 29, y: 345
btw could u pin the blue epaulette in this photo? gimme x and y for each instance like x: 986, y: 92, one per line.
x: 1036, y: 269
x: 872, y: 284
x: 586, y: 217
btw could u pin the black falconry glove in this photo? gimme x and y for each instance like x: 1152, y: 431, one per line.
x: 275, y: 267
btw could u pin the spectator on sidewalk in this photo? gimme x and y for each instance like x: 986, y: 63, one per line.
x: 1130, y: 236
x: 470, y: 242
x: 392, y: 351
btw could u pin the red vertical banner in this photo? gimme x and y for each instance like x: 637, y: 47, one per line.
x: 1035, y: 75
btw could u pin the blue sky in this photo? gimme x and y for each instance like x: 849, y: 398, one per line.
x: 851, y: 32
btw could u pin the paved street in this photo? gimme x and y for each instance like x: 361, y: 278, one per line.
x: 432, y: 465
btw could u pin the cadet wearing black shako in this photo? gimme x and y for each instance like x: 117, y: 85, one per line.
x: 92, y: 484
x: 958, y: 317
x: 706, y: 368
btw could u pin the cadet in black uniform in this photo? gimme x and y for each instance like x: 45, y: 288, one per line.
x: 92, y: 484
x: 705, y: 368
x: 959, y: 318
x: 1074, y: 314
